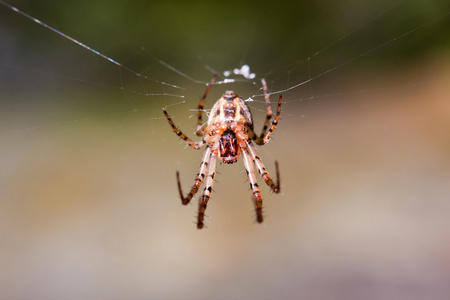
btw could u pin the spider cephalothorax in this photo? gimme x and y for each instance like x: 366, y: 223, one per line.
x: 228, y: 149
x: 228, y: 133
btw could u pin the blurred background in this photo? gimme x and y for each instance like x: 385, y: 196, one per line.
x: 89, y: 206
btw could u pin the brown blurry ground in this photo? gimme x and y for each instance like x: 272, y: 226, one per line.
x: 92, y: 212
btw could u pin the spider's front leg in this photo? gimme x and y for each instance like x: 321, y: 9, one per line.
x: 253, y: 185
x: 198, y: 179
x: 262, y: 169
x: 207, y: 191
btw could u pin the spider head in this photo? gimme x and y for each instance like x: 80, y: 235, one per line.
x: 228, y: 147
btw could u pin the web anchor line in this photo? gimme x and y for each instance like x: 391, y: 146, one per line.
x: 73, y: 40
x: 386, y: 43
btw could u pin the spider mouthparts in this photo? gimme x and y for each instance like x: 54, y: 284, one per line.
x: 229, y: 160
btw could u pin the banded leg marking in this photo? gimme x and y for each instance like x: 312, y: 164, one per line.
x: 253, y: 185
x: 201, y: 105
x: 195, y: 145
x: 198, y: 179
x: 262, y: 169
x: 207, y: 191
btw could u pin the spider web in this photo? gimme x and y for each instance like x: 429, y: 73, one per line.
x: 86, y: 150
x: 53, y: 76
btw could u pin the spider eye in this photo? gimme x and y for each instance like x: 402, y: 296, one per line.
x: 229, y: 151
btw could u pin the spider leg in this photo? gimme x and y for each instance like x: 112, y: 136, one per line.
x: 262, y: 170
x: 207, y: 191
x: 198, y: 179
x: 269, y: 109
x: 253, y: 185
x: 199, y: 130
x: 265, y: 135
x: 195, y: 145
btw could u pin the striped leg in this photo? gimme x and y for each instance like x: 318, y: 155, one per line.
x: 262, y: 170
x: 269, y: 109
x: 198, y: 179
x: 195, y: 145
x: 253, y: 185
x: 201, y: 105
x: 207, y: 191
x: 265, y: 135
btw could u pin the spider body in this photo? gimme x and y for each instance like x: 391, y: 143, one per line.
x: 228, y: 134
x: 229, y: 116
x: 228, y: 147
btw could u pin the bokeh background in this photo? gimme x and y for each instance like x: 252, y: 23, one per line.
x: 89, y: 206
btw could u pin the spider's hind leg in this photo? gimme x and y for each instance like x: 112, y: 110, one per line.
x: 266, y: 132
x: 199, y: 131
x: 195, y: 145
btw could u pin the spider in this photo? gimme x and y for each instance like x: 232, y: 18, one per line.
x: 228, y: 133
